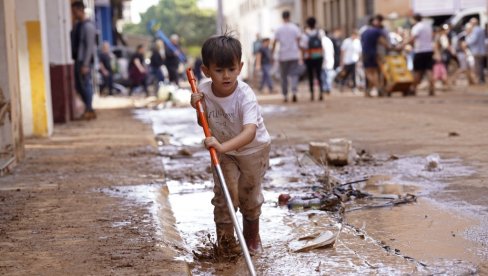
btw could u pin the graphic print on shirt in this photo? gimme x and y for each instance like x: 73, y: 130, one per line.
x: 221, y: 120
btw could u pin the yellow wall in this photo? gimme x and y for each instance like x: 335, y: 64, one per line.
x: 38, y: 80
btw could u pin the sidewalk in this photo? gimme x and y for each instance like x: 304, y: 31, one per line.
x: 56, y: 219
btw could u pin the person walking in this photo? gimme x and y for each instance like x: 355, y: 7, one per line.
x: 105, y: 68
x: 288, y: 37
x: 172, y: 59
x: 370, y: 38
x: 83, y: 48
x: 350, y: 53
x: 313, y: 55
x: 157, y: 61
x: 328, y: 72
x: 264, y: 62
x: 476, y: 42
x: 422, y: 39
x: 336, y: 39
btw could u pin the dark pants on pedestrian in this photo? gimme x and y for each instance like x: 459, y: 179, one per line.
x: 84, y: 86
x: 266, y: 78
x: 107, y: 83
x: 350, y: 70
x: 289, y: 69
x: 173, y: 73
x: 158, y: 77
x: 479, y: 67
x: 314, y: 67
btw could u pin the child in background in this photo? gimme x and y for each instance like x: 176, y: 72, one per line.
x: 239, y: 137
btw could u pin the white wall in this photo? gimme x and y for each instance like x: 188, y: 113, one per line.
x: 248, y: 18
x: 32, y: 10
x: 58, y: 22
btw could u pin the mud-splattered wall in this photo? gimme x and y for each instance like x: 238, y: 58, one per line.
x: 11, y: 138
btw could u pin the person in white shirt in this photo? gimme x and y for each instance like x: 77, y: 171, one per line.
x: 328, y: 73
x: 350, y: 53
x: 288, y: 38
x: 238, y: 135
x: 423, y: 48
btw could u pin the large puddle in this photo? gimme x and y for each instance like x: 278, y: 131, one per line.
x: 424, y: 237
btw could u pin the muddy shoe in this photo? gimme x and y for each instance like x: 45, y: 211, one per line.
x: 226, y: 242
x: 251, y: 234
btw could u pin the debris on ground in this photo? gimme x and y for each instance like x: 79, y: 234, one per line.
x: 185, y: 152
x: 433, y: 163
x: 163, y: 139
x: 314, y: 241
x: 337, y: 152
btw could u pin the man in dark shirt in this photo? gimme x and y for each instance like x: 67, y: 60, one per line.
x: 172, y: 59
x: 264, y: 62
x: 157, y: 61
x: 83, y: 39
x: 369, y: 42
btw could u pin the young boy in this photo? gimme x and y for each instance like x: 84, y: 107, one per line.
x: 239, y: 137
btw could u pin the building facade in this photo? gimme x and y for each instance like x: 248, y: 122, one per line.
x: 36, y: 75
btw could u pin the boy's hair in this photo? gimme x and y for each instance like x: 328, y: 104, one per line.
x: 78, y: 5
x: 223, y: 51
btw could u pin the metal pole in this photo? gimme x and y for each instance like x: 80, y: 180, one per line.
x: 233, y: 216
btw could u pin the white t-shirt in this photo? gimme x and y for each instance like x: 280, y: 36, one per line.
x: 352, y: 50
x: 328, y: 53
x: 287, y: 36
x: 227, y: 116
x: 422, y: 32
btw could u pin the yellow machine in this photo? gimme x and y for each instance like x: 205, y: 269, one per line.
x: 396, y: 76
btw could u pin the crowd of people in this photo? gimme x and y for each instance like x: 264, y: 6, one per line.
x: 328, y: 60
x: 163, y: 61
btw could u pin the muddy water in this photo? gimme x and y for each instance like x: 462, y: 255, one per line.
x: 422, y: 238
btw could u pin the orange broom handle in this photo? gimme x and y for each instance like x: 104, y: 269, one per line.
x: 201, y: 114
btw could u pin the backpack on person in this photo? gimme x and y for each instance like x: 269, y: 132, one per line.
x: 315, y: 50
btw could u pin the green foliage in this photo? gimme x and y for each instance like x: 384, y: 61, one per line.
x: 182, y: 17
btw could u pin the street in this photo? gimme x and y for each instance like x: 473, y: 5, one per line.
x: 105, y: 197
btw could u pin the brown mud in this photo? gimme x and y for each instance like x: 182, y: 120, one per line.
x: 93, y: 199
x: 58, y: 217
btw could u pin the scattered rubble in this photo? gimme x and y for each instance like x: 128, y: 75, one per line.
x: 433, y: 163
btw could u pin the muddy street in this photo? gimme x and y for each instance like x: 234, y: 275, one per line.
x: 442, y: 232
x: 132, y: 194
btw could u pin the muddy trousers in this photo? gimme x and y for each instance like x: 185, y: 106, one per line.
x: 243, y: 175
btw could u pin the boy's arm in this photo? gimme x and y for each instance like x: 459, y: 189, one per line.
x: 245, y: 137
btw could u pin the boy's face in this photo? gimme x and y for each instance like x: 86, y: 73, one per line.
x: 224, y: 79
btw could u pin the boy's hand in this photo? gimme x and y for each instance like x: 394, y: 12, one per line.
x: 212, y: 142
x: 195, y: 97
